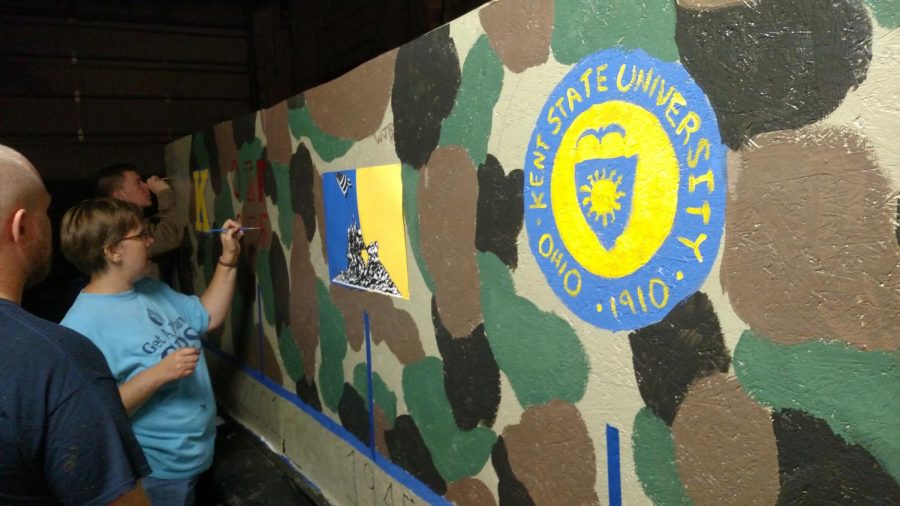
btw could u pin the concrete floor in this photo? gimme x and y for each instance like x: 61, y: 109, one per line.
x: 246, y: 472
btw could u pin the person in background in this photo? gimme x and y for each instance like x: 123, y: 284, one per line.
x: 150, y: 335
x: 64, y: 434
x: 122, y: 181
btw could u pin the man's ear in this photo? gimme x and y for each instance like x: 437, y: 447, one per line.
x: 19, y: 226
x: 117, y: 194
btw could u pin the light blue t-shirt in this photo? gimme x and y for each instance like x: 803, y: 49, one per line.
x: 135, y: 330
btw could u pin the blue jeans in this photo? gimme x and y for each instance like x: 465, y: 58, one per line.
x: 170, y: 492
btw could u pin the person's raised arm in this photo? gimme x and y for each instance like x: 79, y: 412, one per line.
x: 177, y: 364
x: 217, y: 297
x: 164, y: 225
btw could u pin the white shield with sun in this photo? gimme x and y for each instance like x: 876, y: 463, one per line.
x: 605, y: 186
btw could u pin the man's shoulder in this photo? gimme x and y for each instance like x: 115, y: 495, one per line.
x: 44, y: 344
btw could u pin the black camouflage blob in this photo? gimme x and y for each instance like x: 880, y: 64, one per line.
x: 298, y: 101
x: 212, y: 153
x: 818, y: 467
x: 408, y: 450
x: 184, y: 267
x: 308, y: 392
x: 471, y: 374
x: 510, y: 490
x: 353, y: 413
x: 668, y: 356
x: 281, y: 284
x: 243, y: 314
x: 500, y: 211
x: 200, y: 256
x: 426, y: 80
x: 244, y: 129
x: 774, y: 65
x: 303, y: 200
x: 270, y: 186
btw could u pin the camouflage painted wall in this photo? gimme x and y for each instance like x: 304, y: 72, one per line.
x: 537, y: 360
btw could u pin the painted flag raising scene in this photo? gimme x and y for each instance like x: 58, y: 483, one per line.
x: 364, y: 233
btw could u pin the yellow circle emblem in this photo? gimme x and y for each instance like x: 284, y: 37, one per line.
x: 654, y: 192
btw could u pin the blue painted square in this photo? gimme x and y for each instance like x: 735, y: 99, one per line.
x: 339, y: 189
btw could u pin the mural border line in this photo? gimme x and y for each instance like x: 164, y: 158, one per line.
x: 613, y: 473
x: 393, y: 470
x: 370, y: 393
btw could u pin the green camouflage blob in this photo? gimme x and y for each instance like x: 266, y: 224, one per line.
x: 469, y: 124
x: 326, y: 146
x: 856, y: 392
x: 456, y: 453
x: 333, y: 347
x: 384, y: 398
x: 282, y: 175
x: 198, y: 150
x: 654, y: 460
x: 887, y: 12
x: 582, y: 27
x: 223, y: 208
x: 539, y: 352
x: 266, y: 289
x: 291, y: 355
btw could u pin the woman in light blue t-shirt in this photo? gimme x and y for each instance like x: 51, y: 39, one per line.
x: 150, y: 335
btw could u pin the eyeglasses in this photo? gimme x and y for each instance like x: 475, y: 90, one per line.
x: 144, y: 235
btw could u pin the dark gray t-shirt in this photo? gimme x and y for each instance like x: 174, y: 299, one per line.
x: 64, y: 434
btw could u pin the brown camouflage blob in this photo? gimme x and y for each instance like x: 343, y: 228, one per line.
x: 448, y: 202
x: 351, y: 303
x: 270, y: 363
x: 318, y: 196
x: 275, y: 128
x: 386, y: 323
x: 247, y: 349
x: 381, y: 426
x: 304, y: 310
x: 353, y: 105
x: 396, y: 328
x: 470, y: 492
x: 253, y: 211
x: 226, y: 149
x: 519, y: 32
x: 809, y: 246
x: 724, y: 445
x: 551, y: 454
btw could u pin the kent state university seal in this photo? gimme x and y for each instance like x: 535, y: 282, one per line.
x: 625, y: 188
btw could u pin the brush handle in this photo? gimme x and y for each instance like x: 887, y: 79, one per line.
x: 214, y: 230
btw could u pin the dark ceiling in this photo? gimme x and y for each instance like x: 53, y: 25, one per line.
x: 89, y: 83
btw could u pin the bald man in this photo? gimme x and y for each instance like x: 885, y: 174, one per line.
x: 64, y: 434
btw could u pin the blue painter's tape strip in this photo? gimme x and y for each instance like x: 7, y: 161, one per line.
x: 613, y: 473
x: 370, y: 393
x: 396, y: 472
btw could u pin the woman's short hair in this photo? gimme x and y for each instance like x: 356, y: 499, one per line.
x: 91, y: 226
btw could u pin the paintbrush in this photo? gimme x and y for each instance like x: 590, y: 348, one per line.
x: 214, y: 230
